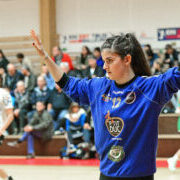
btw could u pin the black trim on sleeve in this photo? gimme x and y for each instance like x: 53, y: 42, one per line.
x: 62, y: 82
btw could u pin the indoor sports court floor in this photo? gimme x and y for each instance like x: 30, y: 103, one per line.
x: 55, y: 169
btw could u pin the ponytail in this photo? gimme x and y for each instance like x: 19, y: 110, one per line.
x: 128, y: 44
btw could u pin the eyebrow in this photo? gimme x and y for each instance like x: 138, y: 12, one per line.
x: 108, y: 58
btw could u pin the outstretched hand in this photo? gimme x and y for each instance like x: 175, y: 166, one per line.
x: 38, y: 45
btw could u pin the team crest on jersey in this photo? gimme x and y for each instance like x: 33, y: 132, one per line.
x: 130, y: 98
x: 106, y: 97
x: 116, y: 153
x: 114, y: 125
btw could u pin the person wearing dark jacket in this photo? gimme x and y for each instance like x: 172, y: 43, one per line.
x: 22, y: 106
x: 3, y: 61
x: 41, y: 126
x: 171, y: 56
x: 58, y: 106
x: 93, y: 70
x: 12, y: 77
x: 29, y: 78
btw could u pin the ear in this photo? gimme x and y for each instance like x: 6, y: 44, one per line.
x: 127, y: 59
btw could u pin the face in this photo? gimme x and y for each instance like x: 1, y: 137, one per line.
x: 75, y: 109
x: 20, y: 87
x: 11, y: 70
x: 92, y: 63
x: 84, y: 51
x: 114, y: 65
x: 44, y: 69
x: 23, y: 71
x: 96, y: 53
x: 169, y: 51
x: 41, y: 82
x: 19, y: 59
x: 39, y: 106
x: 56, y: 51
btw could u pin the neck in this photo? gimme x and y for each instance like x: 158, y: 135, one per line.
x: 126, y: 77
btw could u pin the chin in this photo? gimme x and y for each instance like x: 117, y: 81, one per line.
x: 110, y: 77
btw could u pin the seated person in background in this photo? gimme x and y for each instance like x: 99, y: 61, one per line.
x: 29, y: 79
x: 58, y: 107
x: 75, y: 73
x: 3, y: 61
x: 24, y: 61
x: 150, y: 55
x: 3, y: 76
x: 22, y: 106
x: 41, y: 126
x: 49, y: 79
x: 97, y: 55
x: 12, y: 77
x: 83, y: 59
x: 59, y: 56
x: 93, y: 70
x: 156, y: 68
x: 75, y: 121
x: 171, y: 56
x: 40, y: 93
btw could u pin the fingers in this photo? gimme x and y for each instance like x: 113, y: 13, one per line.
x: 34, y: 36
x: 40, y: 51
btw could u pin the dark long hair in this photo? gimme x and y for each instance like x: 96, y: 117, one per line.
x: 128, y: 44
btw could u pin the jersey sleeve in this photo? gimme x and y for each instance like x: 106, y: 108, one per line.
x: 168, y: 84
x: 82, y: 91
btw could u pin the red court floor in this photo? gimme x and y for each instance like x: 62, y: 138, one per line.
x: 62, y: 162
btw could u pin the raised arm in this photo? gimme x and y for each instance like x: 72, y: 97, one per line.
x: 54, y: 69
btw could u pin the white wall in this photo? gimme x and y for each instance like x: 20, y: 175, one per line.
x: 139, y: 16
x: 18, y: 17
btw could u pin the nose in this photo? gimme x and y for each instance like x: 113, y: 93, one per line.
x: 105, y: 66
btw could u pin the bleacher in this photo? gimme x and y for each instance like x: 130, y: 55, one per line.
x: 168, y: 141
x: 13, y: 45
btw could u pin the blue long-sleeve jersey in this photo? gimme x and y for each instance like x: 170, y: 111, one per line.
x: 125, y: 119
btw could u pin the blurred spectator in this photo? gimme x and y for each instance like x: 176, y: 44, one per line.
x: 84, y: 54
x: 3, y: 61
x: 75, y: 73
x: 58, y: 106
x: 41, y: 126
x: 93, y: 70
x: 12, y: 77
x: 22, y: 106
x: 41, y: 92
x: 59, y: 56
x: 24, y: 61
x: 29, y: 78
x: 171, y: 56
x: 97, y: 55
x: 49, y: 79
x: 151, y: 56
x: 3, y: 76
x: 75, y: 121
x: 156, y: 69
